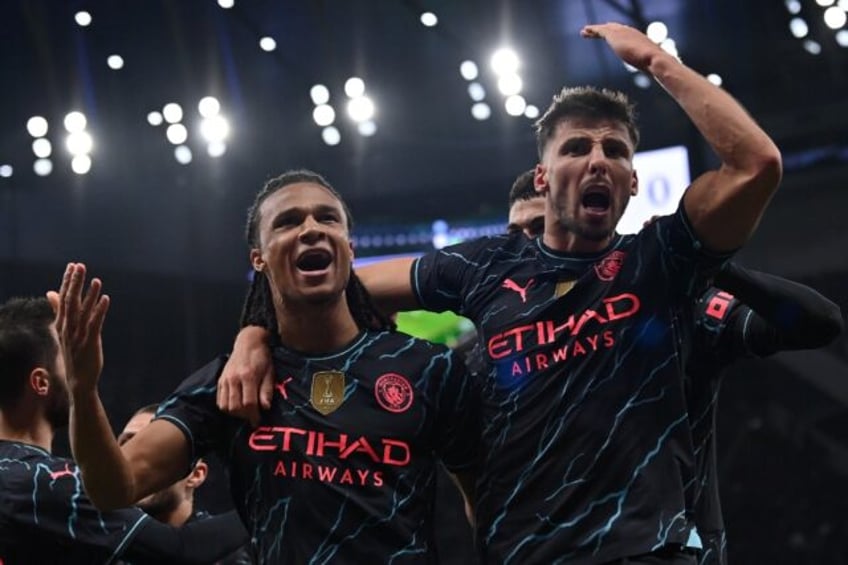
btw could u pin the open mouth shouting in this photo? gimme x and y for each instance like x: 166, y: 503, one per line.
x: 596, y: 199
x: 314, y: 262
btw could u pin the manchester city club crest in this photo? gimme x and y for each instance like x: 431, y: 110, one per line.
x: 328, y: 389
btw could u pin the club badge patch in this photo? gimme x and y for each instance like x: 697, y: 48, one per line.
x: 608, y: 267
x: 328, y: 388
x: 393, y: 392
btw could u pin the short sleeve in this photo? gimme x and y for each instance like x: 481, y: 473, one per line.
x: 193, y: 409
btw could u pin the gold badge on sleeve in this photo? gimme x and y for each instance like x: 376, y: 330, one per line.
x: 328, y: 389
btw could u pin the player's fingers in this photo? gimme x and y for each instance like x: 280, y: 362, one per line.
x: 266, y: 387
x: 99, y: 315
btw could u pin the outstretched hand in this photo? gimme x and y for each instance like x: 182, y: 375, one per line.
x: 631, y: 45
x: 79, y: 323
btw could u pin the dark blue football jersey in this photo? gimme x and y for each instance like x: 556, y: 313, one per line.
x: 45, y: 517
x: 720, y: 337
x: 587, y: 447
x: 342, y: 467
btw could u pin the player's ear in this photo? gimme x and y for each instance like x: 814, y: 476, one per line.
x: 198, y: 474
x: 634, y: 184
x: 39, y: 381
x: 256, y: 260
x: 540, y: 179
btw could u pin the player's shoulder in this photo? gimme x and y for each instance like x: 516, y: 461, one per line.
x: 410, y: 345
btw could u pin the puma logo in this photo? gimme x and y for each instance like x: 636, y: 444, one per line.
x: 281, y: 388
x: 65, y: 473
x: 510, y: 284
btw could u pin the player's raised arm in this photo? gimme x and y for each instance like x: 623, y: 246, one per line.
x: 156, y: 457
x: 724, y: 205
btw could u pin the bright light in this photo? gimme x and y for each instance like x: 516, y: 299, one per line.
x: 226, y: 4
x: 354, y: 87
x: 630, y: 68
x: 468, y: 70
x: 6, y: 171
x: 42, y: 147
x: 429, y: 19
x: 824, y: 3
x: 360, y: 109
x: 812, y: 47
x: 216, y: 148
x: 843, y: 4
x: 81, y: 164
x: 182, y: 153
x: 715, y: 79
x: 319, y: 94
x: 504, y: 61
x: 331, y: 135
x: 367, y: 129
x: 115, y: 62
x: 793, y: 6
x: 75, y: 121
x: 324, y: 115
x: 208, y: 106
x: 657, y: 32
x: 214, y: 128
x: 641, y: 80
x: 531, y: 112
x: 515, y: 105
x: 481, y: 111
x: 476, y: 91
x: 43, y: 167
x: 669, y: 46
x: 82, y: 18
x: 154, y: 118
x: 842, y: 37
x: 798, y: 27
x: 177, y: 134
x: 79, y: 143
x: 267, y: 44
x: 510, y: 84
x: 37, y: 126
x: 834, y: 17
x: 172, y: 112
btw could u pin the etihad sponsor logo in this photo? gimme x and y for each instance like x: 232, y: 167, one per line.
x: 66, y: 472
x: 393, y: 392
x: 313, y: 443
x: 327, y: 391
x: 510, y: 284
x: 543, y: 332
x: 327, y: 474
x: 608, y: 267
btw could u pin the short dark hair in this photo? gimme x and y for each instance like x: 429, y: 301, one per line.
x: 258, y: 309
x: 586, y: 102
x: 147, y: 409
x: 25, y: 343
x: 523, y: 188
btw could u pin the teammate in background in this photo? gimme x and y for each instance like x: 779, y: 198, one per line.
x: 342, y: 468
x: 588, y: 454
x: 45, y: 516
x: 526, y: 207
x: 174, y: 504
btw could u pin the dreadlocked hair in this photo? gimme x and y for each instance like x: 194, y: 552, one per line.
x: 258, y: 309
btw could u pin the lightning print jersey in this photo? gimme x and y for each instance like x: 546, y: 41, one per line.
x: 720, y: 338
x: 46, y: 518
x: 342, y: 467
x: 587, y: 448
